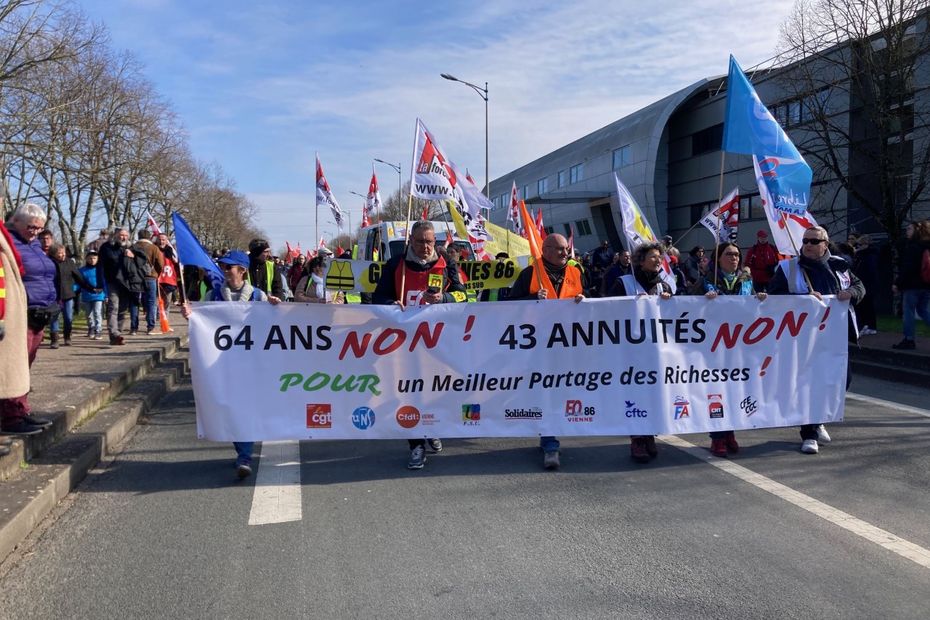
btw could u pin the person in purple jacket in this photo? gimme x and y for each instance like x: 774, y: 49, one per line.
x: 40, y: 281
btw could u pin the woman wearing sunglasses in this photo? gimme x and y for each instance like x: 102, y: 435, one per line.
x: 827, y: 275
x: 729, y: 279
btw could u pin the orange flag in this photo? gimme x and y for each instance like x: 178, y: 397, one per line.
x: 532, y: 235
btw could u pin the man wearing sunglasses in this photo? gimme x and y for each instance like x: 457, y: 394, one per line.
x: 816, y: 269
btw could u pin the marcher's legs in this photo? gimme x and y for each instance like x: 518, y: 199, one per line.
x: 150, y: 298
x: 67, y: 307
x: 116, y: 313
x: 134, y: 301
x: 549, y: 444
x: 909, y: 303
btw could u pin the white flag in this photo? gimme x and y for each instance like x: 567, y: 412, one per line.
x: 723, y: 222
x: 432, y: 176
x: 373, y: 201
x: 324, y: 196
x: 637, y: 229
x: 787, y: 229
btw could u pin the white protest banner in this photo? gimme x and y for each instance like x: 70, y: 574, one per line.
x: 616, y: 366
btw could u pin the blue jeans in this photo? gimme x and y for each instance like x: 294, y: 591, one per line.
x: 916, y: 301
x: 243, y: 452
x: 549, y: 444
x: 150, y: 299
x: 134, y: 311
x: 94, y: 312
x: 66, y: 315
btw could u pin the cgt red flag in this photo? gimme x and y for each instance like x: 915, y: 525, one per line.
x: 539, y: 224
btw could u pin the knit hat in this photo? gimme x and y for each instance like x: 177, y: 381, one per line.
x: 257, y: 246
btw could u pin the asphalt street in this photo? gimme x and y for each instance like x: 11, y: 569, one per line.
x: 163, y: 529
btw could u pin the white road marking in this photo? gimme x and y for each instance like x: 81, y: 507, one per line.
x: 277, y: 484
x: 888, y: 403
x: 883, y: 538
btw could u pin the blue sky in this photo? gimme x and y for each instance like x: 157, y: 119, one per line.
x: 262, y: 86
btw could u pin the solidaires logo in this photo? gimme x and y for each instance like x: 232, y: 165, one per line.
x: 523, y: 413
x: 363, y: 418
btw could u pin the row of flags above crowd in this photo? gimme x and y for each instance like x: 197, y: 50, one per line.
x: 782, y: 175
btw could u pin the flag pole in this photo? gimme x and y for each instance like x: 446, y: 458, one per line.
x: 794, y: 246
x: 316, y: 228
x: 723, y: 155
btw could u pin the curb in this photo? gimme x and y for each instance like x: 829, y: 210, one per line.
x: 61, y: 466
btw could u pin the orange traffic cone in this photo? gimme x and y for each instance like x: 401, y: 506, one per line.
x: 163, y: 317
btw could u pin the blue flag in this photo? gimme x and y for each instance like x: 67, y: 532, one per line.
x: 190, y: 252
x: 750, y: 128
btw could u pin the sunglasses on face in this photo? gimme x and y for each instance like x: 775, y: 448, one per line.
x: 733, y: 254
x: 812, y: 241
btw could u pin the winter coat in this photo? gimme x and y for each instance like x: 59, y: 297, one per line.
x: 14, y: 356
x: 41, y: 278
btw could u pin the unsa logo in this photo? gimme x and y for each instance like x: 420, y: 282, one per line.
x: 408, y: 416
x: 363, y: 418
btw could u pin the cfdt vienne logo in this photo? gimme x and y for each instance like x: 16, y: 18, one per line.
x: 320, y: 415
x: 407, y: 416
x: 363, y: 418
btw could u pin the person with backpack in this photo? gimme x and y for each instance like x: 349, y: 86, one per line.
x: 913, y: 282
x: 150, y: 261
x: 235, y: 265
x: 123, y: 282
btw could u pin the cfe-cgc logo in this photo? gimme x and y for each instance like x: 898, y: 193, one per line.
x: 632, y: 411
x: 521, y: 413
x: 471, y: 414
x: 363, y: 418
x: 575, y: 411
x: 320, y: 415
x: 749, y: 405
x: 408, y: 416
x: 682, y: 408
x: 715, y: 406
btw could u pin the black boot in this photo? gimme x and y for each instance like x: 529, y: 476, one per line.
x: 54, y: 344
x: 67, y: 337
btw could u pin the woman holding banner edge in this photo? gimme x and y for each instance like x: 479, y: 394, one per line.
x: 646, y: 279
x: 729, y: 279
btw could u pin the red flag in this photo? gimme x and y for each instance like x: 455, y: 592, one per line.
x: 365, y: 220
x: 322, y: 243
x: 290, y: 252
x: 339, y: 251
x: 150, y: 222
x: 571, y: 239
x: 539, y: 224
x: 426, y: 212
x: 513, y: 215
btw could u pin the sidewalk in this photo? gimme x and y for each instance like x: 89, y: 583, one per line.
x: 875, y: 357
x: 95, y: 394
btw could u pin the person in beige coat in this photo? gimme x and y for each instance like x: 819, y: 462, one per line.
x: 14, y: 355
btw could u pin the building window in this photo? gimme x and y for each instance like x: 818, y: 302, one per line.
x: 576, y: 173
x: 568, y: 230
x: 707, y: 140
x: 526, y: 192
x: 584, y: 229
x: 542, y: 186
x: 549, y: 230
x: 794, y: 113
x: 563, y: 178
x: 622, y: 157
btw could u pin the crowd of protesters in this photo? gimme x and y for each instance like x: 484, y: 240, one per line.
x: 143, y: 277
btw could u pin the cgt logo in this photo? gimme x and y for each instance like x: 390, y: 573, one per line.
x: 682, y: 408
x: 408, y: 416
x: 320, y: 416
x: 363, y: 418
x: 715, y: 406
x: 471, y: 414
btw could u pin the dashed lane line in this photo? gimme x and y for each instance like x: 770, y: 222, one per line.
x: 863, y: 529
x: 277, y: 484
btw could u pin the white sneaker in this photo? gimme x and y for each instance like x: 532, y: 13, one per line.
x: 822, y: 435
x: 809, y: 446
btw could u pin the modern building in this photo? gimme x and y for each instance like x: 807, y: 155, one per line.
x: 669, y: 156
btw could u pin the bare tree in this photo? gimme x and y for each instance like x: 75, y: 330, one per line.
x: 857, y: 113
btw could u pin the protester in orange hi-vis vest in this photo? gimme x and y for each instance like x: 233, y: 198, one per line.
x: 420, y: 276
x: 559, y: 278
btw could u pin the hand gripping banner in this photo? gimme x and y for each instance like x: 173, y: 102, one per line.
x: 516, y: 369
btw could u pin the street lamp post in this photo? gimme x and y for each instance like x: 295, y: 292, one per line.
x: 396, y: 168
x: 483, y: 93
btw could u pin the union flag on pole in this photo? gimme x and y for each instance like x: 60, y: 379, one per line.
x: 324, y: 195
x: 787, y: 228
x: 373, y: 202
x: 514, y: 214
x: 723, y: 222
x: 637, y: 230
x: 150, y: 222
x: 432, y: 176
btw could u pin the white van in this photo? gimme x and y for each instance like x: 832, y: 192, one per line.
x: 380, y: 242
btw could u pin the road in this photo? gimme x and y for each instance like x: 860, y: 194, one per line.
x: 164, y: 530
